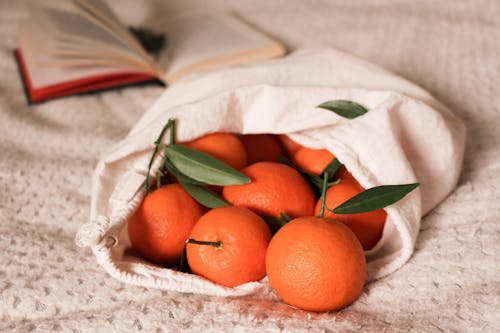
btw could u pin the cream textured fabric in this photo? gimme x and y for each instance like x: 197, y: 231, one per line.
x: 400, y: 140
x: 48, y: 153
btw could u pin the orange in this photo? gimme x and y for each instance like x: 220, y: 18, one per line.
x: 240, y: 257
x: 289, y: 145
x: 368, y: 227
x: 315, y: 161
x: 261, y: 147
x: 312, y: 160
x: 342, y: 173
x: 316, y: 264
x: 162, y: 223
x: 274, y: 188
x: 226, y: 147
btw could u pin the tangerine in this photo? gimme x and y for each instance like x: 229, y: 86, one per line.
x: 226, y: 147
x: 261, y: 147
x: 162, y: 223
x: 315, y: 161
x: 316, y: 264
x: 290, y: 147
x: 274, y: 188
x: 229, y: 246
x: 312, y: 160
x: 367, y: 227
x: 343, y: 173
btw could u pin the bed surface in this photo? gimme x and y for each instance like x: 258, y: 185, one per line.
x: 48, y: 153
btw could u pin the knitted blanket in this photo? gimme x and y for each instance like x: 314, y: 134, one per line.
x: 48, y: 153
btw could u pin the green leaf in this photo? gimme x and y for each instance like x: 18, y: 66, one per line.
x: 171, y: 127
x: 317, y: 182
x: 203, y: 167
x: 343, y: 108
x: 332, y: 168
x: 157, y: 143
x: 204, y: 196
x: 284, y: 217
x: 323, y: 194
x: 274, y: 223
x: 159, y: 178
x: 283, y: 160
x: 374, y: 198
x: 179, y: 175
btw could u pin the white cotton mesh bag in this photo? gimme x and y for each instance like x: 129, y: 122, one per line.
x: 407, y: 136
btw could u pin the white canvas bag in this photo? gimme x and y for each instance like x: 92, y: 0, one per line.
x: 406, y: 137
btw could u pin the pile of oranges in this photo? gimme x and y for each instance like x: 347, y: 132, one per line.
x: 314, y: 259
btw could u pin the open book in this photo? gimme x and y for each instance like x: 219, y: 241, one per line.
x: 75, y: 46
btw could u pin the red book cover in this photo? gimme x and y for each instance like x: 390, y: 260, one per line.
x: 89, y: 84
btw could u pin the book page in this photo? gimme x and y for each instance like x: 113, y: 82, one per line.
x: 42, y: 51
x: 67, y: 37
x: 42, y: 77
x: 102, y: 15
x: 197, y: 38
x: 97, y: 7
x: 69, y: 23
x: 79, y: 26
x: 79, y: 70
